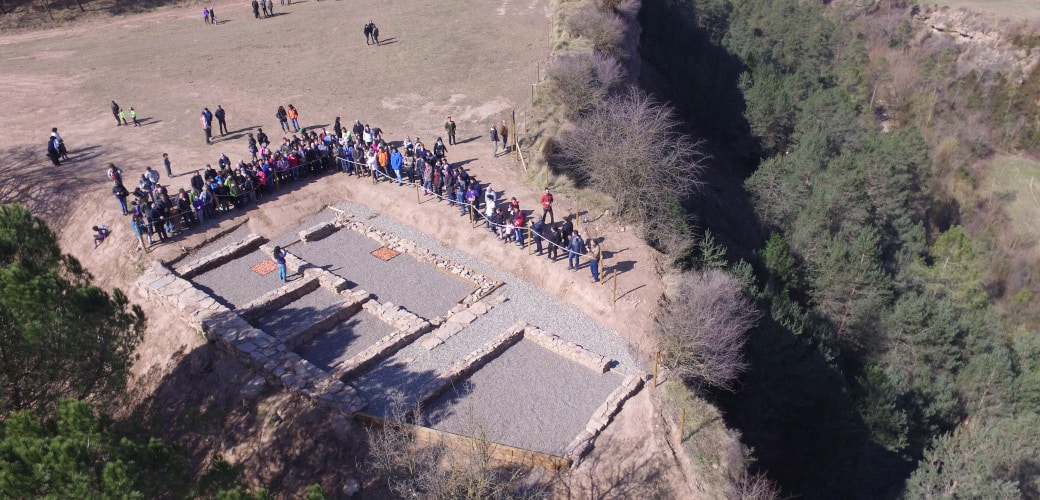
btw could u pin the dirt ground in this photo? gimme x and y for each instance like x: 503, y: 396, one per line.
x: 473, y: 60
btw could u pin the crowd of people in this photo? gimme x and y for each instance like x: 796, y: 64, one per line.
x: 157, y: 211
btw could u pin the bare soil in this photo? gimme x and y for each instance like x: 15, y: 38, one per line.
x: 473, y: 60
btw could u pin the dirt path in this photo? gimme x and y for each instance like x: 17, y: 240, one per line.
x: 472, y: 60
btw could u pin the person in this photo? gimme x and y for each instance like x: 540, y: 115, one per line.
x: 449, y: 127
x: 595, y: 257
x: 221, y: 119
x: 122, y: 117
x: 294, y: 116
x: 337, y: 128
x: 575, y: 249
x: 62, y: 152
x: 196, y: 181
x: 52, y: 151
x: 263, y: 7
x: 205, y: 15
x: 368, y: 33
x: 537, y: 234
x: 151, y: 175
x: 115, y: 113
x: 439, y: 150
x: 206, y: 128
x: 503, y: 133
x: 209, y: 116
x: 157, y: 221
x: 494, y: 140
x: 115, y: 173
x: 256, y: 9
x: 375, y: 34
x: 555, y: 241
x: 133, y: 117
x: 283, y: 118
x: 547, y: 202
x: 396, y: 160
x: 100, y: 233
x: 166, y: 164
x: 213, y: 16
x: 261, y: 138
x: 279, y: 258
x: 252, y: 146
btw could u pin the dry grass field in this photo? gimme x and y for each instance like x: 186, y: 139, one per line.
x: 473, y: 60
x: 1026, y: 10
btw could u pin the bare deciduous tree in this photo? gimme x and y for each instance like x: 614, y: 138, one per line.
x: 578, y: 81
x: 630, y: 148
x: 702, y: 331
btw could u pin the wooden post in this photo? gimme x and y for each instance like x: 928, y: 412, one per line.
x: 657, y: 355
x: 682, y: 426
x: 417, y: 198
x: 533, y: 85
x: 615, y: 285
x: 516, y: 136
x: 529, y: 240
x: 602, y: 266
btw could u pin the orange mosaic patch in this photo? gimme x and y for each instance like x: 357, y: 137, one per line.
x: 384, y: 253
x: 265, y: 267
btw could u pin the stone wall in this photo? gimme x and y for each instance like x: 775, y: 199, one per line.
x: 233, y: 334
x: 222, y: 256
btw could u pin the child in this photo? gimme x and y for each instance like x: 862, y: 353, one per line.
x: 166, y: 163
x: 100, y: 233
x: 133, y: 117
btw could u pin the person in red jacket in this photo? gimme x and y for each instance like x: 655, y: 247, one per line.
x: 547, y: 201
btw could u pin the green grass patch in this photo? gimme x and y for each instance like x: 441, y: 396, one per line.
x: 1015, y: 182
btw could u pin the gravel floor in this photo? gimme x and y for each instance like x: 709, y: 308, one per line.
x: 526, y: 302
x: 527, y: 397
x: 420, y: 288
x: 236, y: 284
x: 293, y: 234
x: 300, y: 314
x: 344, y: 341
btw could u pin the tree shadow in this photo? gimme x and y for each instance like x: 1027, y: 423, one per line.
x: 462, y: 163
x: 29, y: 179
x: 205, y: 406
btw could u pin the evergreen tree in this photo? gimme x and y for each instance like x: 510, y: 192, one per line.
x: 60, y: 335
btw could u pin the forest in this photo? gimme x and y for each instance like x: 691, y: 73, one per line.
x: 892, y: 358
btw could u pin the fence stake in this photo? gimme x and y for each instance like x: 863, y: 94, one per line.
x: 529, y: 241
x: 615, y: 286
x: 602, y: 266
x: 657, y: 355
x: 682, y: 426
x: 417, y: 198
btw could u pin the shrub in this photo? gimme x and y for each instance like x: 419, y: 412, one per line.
x: 702, y: 331
x: 578, y: 81
x: 604, y: 30
x: 630, y: 149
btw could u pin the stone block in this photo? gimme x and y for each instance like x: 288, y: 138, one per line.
x: 430, y: 342
x: 464, y: 317
x: 478, y: 308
